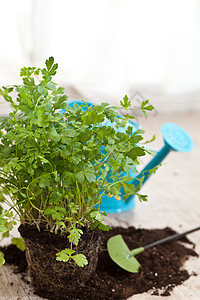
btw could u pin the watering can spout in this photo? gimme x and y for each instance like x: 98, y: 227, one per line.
x: 175, y: 139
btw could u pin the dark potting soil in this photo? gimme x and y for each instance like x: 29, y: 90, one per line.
x: 161, y: 267
x: 54, y: 277
x: 14, y: 256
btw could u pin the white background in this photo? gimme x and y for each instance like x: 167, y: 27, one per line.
x: 108, y: 48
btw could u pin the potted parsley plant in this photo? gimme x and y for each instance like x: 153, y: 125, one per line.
x: 54, y: 170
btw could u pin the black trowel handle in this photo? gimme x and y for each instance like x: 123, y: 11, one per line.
x: 171, y: 238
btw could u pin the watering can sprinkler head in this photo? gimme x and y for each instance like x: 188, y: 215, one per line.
x: 176, y: 137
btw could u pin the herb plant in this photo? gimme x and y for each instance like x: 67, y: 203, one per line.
x: 54, y: 165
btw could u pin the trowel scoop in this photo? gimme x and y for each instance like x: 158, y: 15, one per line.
x: 125, y: 258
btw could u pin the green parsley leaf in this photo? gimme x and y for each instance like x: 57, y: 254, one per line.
x: 3, y: 228
x: 126, y: 102
x: 19, y: 242
x: 64, y: 255
x: 96, y: 215
x: 2, y: 260
x: 80, y: 260
x: 75, y: 235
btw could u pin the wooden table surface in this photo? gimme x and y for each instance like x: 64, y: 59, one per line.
x: 173, y: 201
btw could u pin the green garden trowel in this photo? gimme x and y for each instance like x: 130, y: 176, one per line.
x: 125, y: 258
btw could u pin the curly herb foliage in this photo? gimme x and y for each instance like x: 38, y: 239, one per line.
x: 54, y: 166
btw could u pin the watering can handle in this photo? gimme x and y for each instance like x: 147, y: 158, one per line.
x: 176, y: 139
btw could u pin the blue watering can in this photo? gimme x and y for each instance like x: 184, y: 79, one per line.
x: 175, y: 139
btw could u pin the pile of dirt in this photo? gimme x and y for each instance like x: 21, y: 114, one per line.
x: 161, y: 267
x: 14, y: 256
